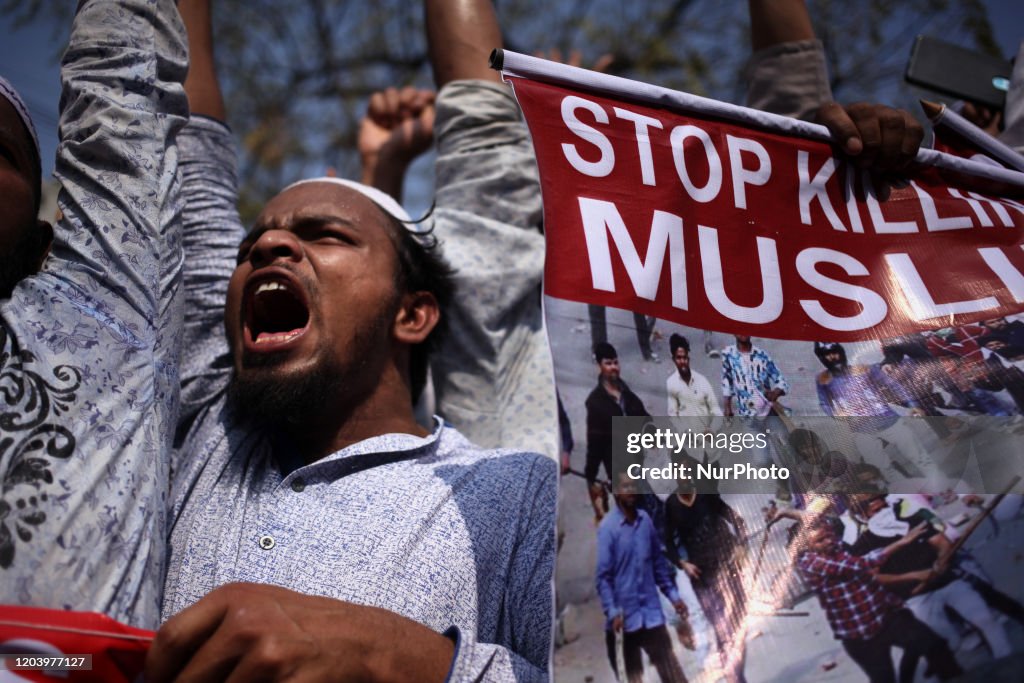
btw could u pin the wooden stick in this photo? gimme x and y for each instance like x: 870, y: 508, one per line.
x: 970, y: 528
x: 761, y: 549
x: 603, y: 482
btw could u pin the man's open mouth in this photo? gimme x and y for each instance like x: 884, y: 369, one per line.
x: 275, y: 312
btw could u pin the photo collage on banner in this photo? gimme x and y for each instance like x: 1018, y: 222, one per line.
x: 791, y: 394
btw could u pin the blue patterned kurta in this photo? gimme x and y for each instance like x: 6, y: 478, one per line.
x: 89, y: 346
x: 432, y: 528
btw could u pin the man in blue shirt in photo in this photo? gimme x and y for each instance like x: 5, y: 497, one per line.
x: 631, y: 567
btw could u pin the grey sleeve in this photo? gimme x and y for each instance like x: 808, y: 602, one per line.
x: 790, y: 79
x: 1013, y: 111
x: 212, y: 232
x: 122, y: 102
x: 493, y: 374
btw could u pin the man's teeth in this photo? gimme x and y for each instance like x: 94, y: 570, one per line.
x: 276, y: 337
x: 271, y: 287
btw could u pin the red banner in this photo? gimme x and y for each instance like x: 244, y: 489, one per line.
x: 732, y: 228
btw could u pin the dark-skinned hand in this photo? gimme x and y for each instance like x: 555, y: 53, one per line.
x: 878, y: 138
x: 255, y: 633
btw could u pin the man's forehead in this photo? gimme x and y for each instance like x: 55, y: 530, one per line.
x: 319, y: 199
x: 306, y: 204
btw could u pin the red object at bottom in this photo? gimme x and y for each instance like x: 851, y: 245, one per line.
x: 54, y: 643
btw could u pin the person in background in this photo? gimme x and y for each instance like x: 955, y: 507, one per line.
x: 865, y: 617
x: 631, y: 569
x: 689, y: 392
x: 751, y: 382
x: 90, y: 333
x: 644, y: 330
x: 610, y: 398
x: 704, y: 537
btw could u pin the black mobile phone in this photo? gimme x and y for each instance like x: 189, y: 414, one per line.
x: 957, y: 71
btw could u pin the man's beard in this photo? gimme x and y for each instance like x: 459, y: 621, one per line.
x: 289, y: 401
x: 283, y: 402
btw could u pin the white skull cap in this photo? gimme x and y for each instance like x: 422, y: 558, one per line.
x: 382, y: 199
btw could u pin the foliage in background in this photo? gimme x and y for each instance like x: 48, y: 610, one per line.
x: 296, y: 73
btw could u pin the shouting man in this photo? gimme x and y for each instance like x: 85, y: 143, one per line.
x: 413, y: 553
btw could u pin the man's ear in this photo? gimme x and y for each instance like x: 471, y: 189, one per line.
x: 45, y: 243
x: 417, y: 316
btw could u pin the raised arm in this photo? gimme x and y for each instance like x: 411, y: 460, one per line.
x: 211, y: 226
x: 122, y: 104
x: 92, y: 340
x: 202, y: 85
x: 773, y: 22
x: 786, y: 73
x: 461, y: 35
x: 397, y: 128
x: 493, y: 376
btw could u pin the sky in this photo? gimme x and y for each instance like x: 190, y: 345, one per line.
x: 27, y: 59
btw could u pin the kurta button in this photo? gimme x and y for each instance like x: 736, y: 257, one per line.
x: 266, y: 542
x: 298, y: 485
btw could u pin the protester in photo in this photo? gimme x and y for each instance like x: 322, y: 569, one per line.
x: 89, y: 340
x: 875, y: 520
x: 689, y: 392
x: 909, y: 364
x: 864, y: 616
x: 863, y: 395
x: 631, y: 569
x: 751, y: 385
x: 1013, y: 330
x: 392, y: 547
x: 1005, y: 359
x: 610, y: 398
x: 751, y: 382
x: 959, y: 351
x: 1004, y: 348
x: 704, y: 537
x: 817, y: 470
